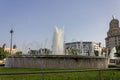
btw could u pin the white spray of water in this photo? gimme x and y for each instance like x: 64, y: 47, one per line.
x: 58, y: 42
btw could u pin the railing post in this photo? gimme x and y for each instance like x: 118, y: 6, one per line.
x: 42, y: 75
x: 99, y: 75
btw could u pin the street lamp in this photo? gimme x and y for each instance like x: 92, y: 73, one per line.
x: 11, y: 32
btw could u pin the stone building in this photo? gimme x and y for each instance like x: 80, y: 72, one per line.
x: 13, y: 51
x: 113, y: 34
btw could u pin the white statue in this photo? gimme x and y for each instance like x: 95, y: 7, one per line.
x: 112, y: 53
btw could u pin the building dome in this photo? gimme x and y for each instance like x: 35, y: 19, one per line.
x: 14, y: 47
x: 4, y: 46
x: 113, y: 35
x: 114, y: 23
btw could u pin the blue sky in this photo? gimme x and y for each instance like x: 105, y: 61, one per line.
x: 33, y: 21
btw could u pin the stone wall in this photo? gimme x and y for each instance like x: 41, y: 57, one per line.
x: 55, y: 61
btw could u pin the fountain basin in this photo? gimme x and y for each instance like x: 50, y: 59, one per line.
x: 55, y: 61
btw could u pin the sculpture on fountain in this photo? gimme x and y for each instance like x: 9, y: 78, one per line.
x: 112, y: 53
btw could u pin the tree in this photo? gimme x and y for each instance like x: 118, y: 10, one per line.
x: 3, y: 54
x: 19, y: 53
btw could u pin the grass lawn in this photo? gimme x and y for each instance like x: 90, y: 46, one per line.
x: 94, y: 75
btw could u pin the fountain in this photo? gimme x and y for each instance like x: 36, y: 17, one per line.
x: 58, y: 59
x: 58, y: 42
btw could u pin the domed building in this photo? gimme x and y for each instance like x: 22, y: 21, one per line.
x: 13, y: 51
x: 113, y: 34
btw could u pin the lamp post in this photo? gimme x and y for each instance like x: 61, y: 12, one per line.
x: 11, y: 32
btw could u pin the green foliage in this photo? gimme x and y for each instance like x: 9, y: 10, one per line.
x: 19, y: 53
x: 117, y: 54
x: 3, y: 54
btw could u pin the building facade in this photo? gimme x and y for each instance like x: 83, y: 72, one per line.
x: 13, y: 51
x: 113, y: 34
x: 85, y: 48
